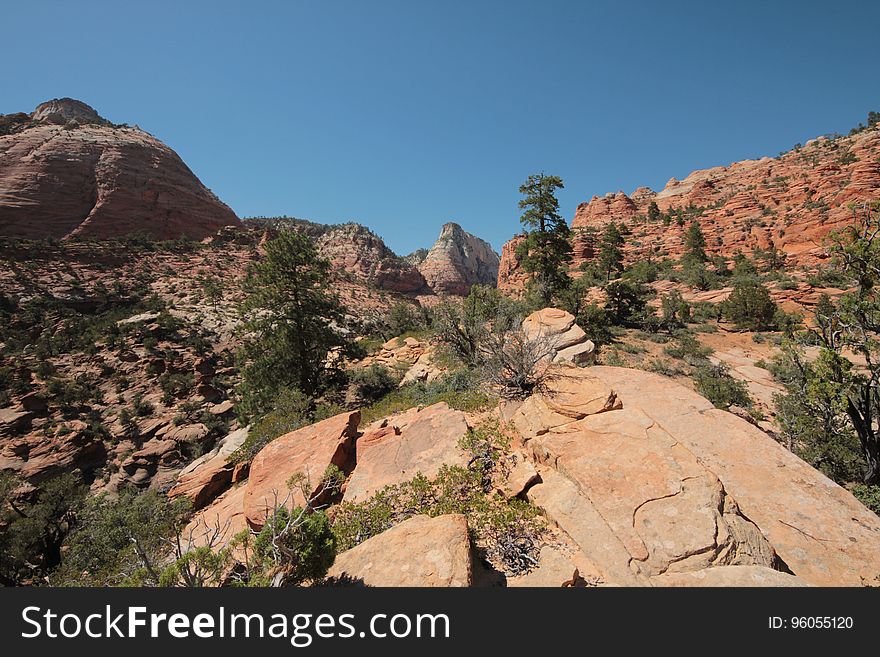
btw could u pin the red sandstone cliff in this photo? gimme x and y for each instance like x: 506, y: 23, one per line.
x: 791, y: 202
x: 65, y: 172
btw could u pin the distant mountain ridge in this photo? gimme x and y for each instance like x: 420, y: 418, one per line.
x: 791, y: 203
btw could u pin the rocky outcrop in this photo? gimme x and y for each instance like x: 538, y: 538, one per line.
x: 416, y: 358
x: 67, y: 172
x: 418, y: 441
x: 210, y: 474
x: 657, y: 487
x: 563, y: 340
x: 63, y: 110
x: 602, y: 209
x: 457, y: 261
x: 420, y: 551
x: 306, y: 453
x: 512, y: 278
x: 37, y: 457
x: 792, y: 203
x: 357, y: 251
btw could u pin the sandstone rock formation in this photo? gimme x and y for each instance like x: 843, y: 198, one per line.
x: 210, y: 474
x: 660, y: 488
x: 305, y: 452
x: 418, y: 441
x: 219, y: 522
x: 420, y: 551
x: 512, y: 278
x: 565, y: 340
x: 356, y: 250
x: 67, y: 172
x: 457, y: 261
x: 791, y: 203
x: 416, y: 356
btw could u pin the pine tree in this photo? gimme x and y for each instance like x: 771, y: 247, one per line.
x: 611, y: 251
x: 289, y: 323
x: 695, y: 243
x: 546, y: 250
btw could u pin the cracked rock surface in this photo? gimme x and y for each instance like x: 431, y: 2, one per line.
x: 659, y: 487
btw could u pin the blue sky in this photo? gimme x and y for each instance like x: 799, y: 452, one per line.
x: 403, y: 115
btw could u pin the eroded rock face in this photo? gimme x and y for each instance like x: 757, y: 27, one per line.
x: 818, y: 529
x: 219, y: 522
x: 420, y: 551
x: 565, y: 340
x: 418, y: 441
x: 417, y: 356
x: 512, y: 278
x: 457, y: 261
x: 661, y: 488
x: 357, y: 250
x: 68, y: 172
x: 62, y: 110
x: 791, y: 203
x: 210, y: 474
x: 307, y: 452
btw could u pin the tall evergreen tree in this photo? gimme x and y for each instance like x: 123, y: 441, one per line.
x: 546, y: 250
x: 695, y: 243
x: 289, y: 323
x: 611, y: 251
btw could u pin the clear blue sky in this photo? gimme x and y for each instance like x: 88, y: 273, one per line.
x: 403, y: 115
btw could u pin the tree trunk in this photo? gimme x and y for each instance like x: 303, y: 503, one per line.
x: 869, y: 441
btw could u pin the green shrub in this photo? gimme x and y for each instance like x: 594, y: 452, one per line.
x: 176, y: 385
x: 507, y: 532
x: 123, y: 541
x: 688, y: 348
x: 715, y: 384
x: 675, y: 311
x: 750, y: 307
x: 291, y: 410
x: 373, y: 382
x: 596, y: 323
x: 460, y: 389
x: 868, y: 495
x: 32, y: 531
x: 300, y: 545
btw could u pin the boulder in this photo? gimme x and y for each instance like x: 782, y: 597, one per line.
x: 308, y: 452
x: 662, y: 483
x: 420, y: 551
x: 565, y: 340
x: 819, y: 530
x: 210, y: 474
x: 417, y: 441
x: 669, y: 511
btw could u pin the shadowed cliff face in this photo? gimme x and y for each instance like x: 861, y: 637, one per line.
x: 457, y: 261
x: 792, y: 203
x: 66, y: 172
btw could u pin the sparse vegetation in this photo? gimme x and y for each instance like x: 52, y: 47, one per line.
x: 507, y: 532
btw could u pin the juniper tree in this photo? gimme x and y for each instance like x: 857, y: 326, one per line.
x: 832, y: 386
x: 546, y: 249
